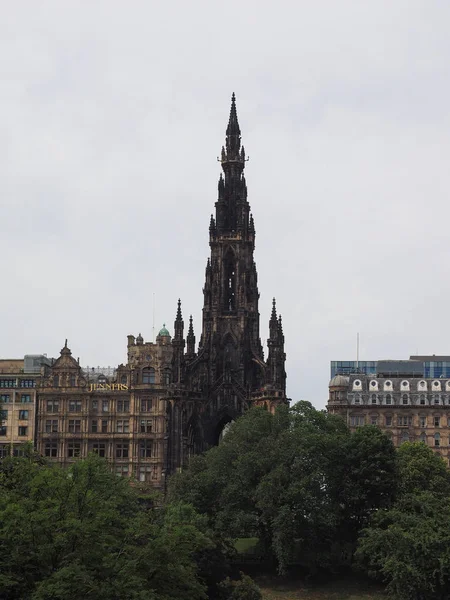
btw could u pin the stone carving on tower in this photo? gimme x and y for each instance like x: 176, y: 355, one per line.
x: 228, y: 373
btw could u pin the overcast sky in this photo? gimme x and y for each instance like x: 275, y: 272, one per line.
x: 112, y: 117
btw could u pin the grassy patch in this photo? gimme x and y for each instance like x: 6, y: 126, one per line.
x: 277, y: 589
x: 246, y: 545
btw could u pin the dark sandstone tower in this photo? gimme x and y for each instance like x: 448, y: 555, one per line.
x: 228, y: 373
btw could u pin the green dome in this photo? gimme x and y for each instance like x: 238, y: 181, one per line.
x: 164, y: 332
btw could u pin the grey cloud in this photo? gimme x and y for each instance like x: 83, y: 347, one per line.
x: 113, y: 115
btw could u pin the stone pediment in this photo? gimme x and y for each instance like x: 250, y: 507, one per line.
x: 66, y: 361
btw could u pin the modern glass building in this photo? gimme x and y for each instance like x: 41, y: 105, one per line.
x: 434, y: 366
x: 347, y: 367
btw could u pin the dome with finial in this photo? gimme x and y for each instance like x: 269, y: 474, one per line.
x: 164, y: 332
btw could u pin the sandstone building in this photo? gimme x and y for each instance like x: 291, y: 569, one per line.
x: 18, y: 380
x: 399, y: 399
x: 120, y: 415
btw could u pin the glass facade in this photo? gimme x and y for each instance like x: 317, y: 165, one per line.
x: 347, y: 367
x: 437, y: 369
x: 433, y: 369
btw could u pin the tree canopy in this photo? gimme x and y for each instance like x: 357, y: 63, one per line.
x: 82, y: 533
x: 407, y: 545
x: 297, y: 480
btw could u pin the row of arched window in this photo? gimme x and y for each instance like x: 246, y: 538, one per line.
x: 405, y: 399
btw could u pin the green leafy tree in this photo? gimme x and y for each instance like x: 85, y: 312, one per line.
x: 243, y: 588
x: 407, y: 544
x: 297, y: 480
x: 77, y: 533
x: 420, y: 469
x: 408, y: 547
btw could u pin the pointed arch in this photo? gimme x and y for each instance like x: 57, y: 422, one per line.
x: 221, y: 428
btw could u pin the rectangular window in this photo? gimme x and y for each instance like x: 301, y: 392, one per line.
x: 74, y: 449
x: 356, y: 421
x: 25, y: 398
x: 75, y: 406
x: 52, y: 406
x: 3, y: 415
x: 5, y: 398
x: 123, y: 426
x: 94, y: 425
x: 105, y: 406
x: 4, y: 450
x: 123, y: 406
x: 51, y: 426
x: 422, y: 421
x: 94, y: 404
x: 3, y: 430
x: 389, y: 421
x: 145, y: 473
x: 23, y: 430
x: 437, y: 421
x: 27, y: 383
x: 51, y: 449
x: 145, y: 448
x: 373, y: 420
x: 146, y: 405
x: 122, y: 450
x: 7, y: 383
x: 104, y: 426
x: 146, y: 426
x: 23, y: 415
x: 99, y: 449
x: 74, y: 426
x: 121, y: 470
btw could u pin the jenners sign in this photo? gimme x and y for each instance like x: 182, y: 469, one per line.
x: 107, y: 387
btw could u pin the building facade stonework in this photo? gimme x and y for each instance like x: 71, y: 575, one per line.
x: 18, y: 380
x: 119, y: 415
x: 407, y: 409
